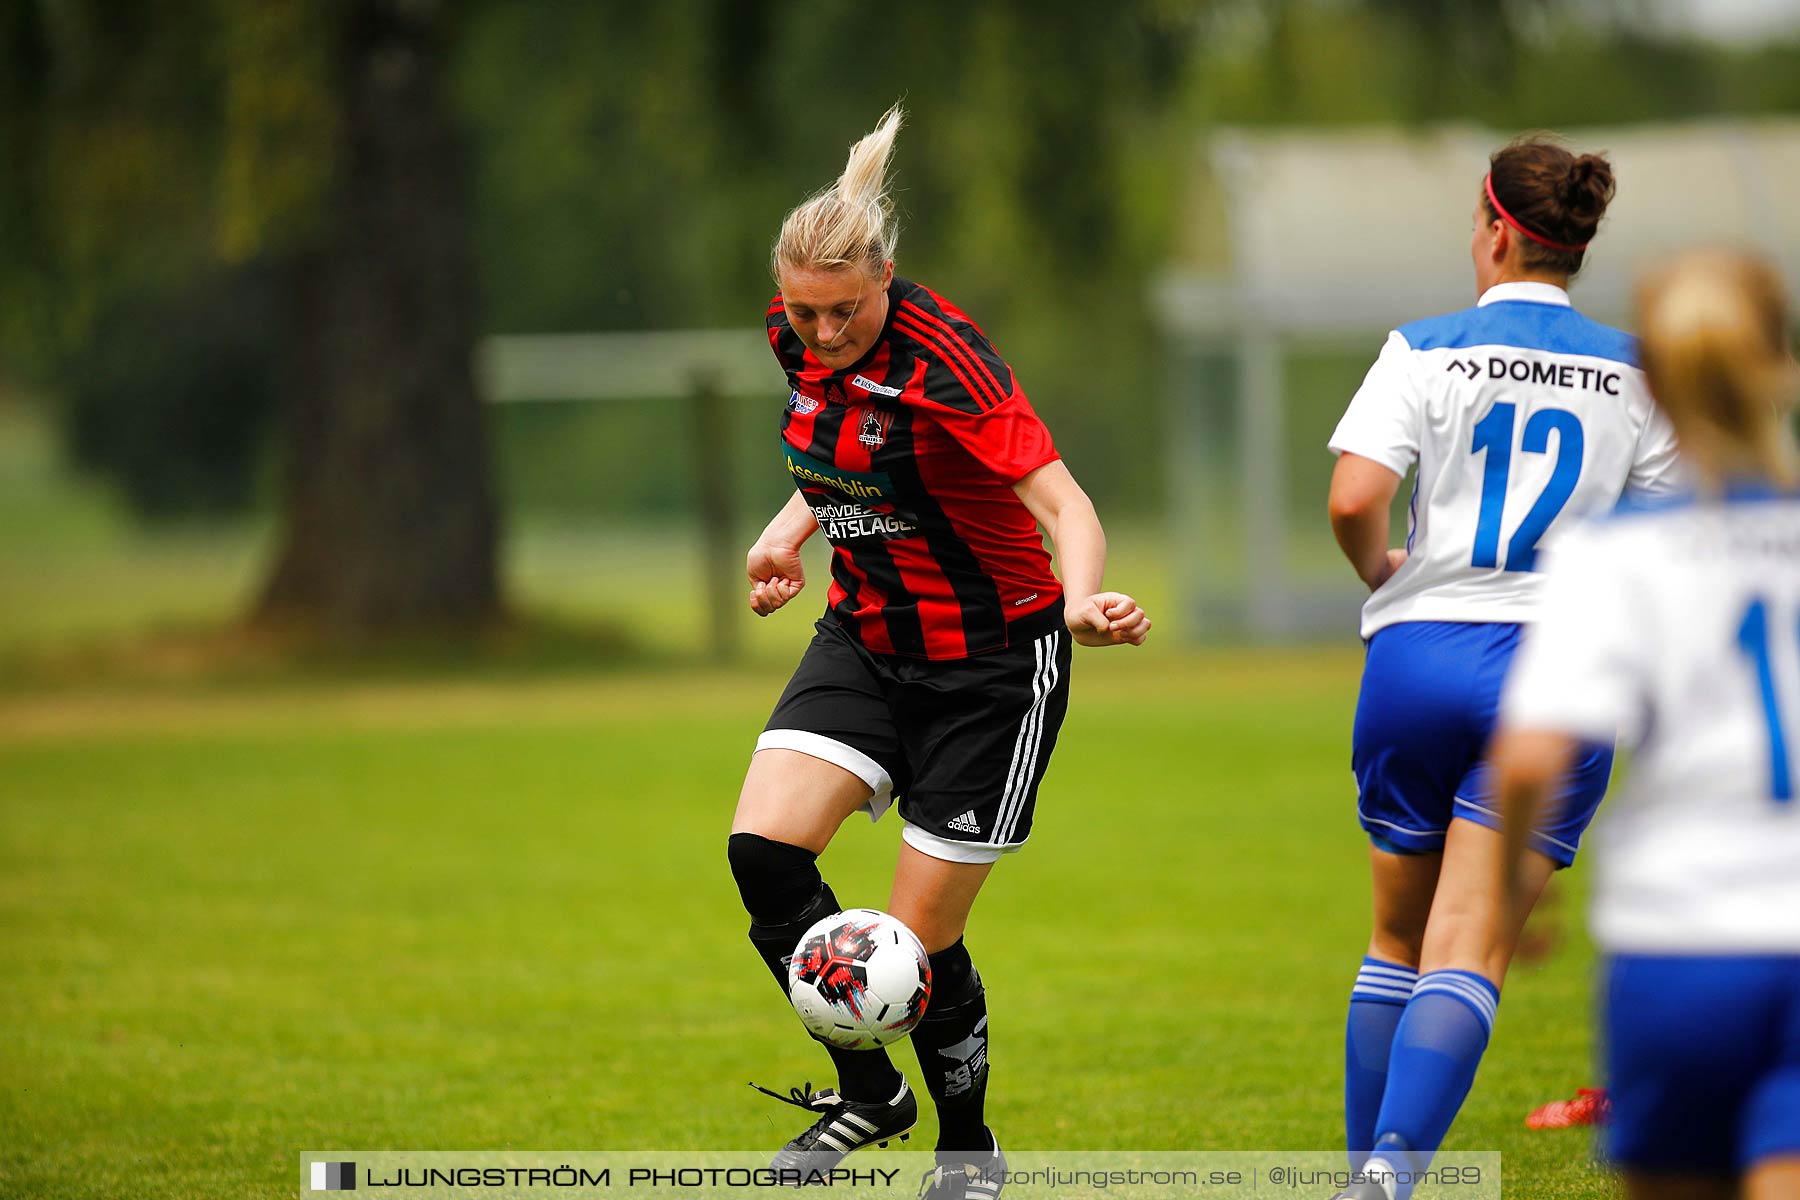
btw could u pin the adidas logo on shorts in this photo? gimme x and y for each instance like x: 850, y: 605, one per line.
x: 966, y: 823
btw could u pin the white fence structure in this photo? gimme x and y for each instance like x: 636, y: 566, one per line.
x: 701, y: 367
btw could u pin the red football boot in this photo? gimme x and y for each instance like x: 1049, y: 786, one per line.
x: 1589, y: 1107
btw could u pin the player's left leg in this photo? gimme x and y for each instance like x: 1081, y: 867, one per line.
x: 933, y: 896
x: 1444, y: 1030
x: 1414, y: 737
x: 1403, y: 886
x: 982, y: 732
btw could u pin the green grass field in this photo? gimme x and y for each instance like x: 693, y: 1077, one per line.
x: 489, y: 909
x: 468, y: 915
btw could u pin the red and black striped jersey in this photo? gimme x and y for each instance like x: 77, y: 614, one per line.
x: 908, y: 458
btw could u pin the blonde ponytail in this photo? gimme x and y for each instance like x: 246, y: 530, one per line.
x: 1715, y: 352
x: 851, y: 223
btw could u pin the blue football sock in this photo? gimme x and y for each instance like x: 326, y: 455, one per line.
x: 1437, y: 1048
x: 1376, y: 1002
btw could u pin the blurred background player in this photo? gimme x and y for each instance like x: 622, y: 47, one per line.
x: 1677, y: 629
x: 1520, y: 415
x: 939, y: 673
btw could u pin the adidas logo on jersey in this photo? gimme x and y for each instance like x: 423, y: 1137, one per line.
x: 966, y: 823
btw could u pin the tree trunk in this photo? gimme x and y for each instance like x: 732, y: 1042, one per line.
x: 389, y: 520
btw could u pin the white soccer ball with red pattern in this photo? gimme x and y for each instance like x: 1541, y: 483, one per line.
x: 859, y: 979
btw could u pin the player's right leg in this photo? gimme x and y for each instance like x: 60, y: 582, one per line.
x: 791, y: 805
x: 797, y: 799
x: 828, y: 752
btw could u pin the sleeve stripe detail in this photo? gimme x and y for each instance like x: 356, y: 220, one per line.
x: 947, y: 334
x: 982, y: 398
x: 931, y: 321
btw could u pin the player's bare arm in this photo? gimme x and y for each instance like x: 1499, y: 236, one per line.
x: 1362, y: 491
x: 1094, y: 617
x: 1527, y: 765
x: 773, y: 563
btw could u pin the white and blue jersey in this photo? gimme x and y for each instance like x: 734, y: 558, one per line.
x: 1521, y: 417
x: 1678, y: 629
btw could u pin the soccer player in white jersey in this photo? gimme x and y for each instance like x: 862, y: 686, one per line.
x: 1519, y: 416
x: 1679, y: 628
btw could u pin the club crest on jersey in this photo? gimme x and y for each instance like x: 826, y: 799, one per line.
x: 873, y: 432
x: 801, y: 404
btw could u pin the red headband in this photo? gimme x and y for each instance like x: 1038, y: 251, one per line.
x: 1539, y: 238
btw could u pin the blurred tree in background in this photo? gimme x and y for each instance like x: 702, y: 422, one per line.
x: 227, y: 225
x: 388, y: 514
x: 222, y: 207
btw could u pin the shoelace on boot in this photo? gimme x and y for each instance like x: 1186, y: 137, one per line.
x: 802, y: 1096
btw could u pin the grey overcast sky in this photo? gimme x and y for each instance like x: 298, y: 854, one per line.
x: 1736, y: 21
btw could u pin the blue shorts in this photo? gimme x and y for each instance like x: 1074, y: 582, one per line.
x: 1430, y: 697
x: 1702, y: 1061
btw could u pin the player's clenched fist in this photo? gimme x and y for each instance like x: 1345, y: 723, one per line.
x: 1107, y: 619
x: 776, y: 576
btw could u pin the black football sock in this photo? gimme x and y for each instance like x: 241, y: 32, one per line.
x: 784, y: 895
x: 952, y: 1044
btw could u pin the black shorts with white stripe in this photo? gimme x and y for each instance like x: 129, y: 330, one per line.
x: 962, y: 745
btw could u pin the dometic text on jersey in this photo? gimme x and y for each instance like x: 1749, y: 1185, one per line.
x: 1537, y: 371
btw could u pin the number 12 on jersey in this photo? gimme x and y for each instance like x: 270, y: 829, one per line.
x: 1753, y: 640
x: 1494, y: 437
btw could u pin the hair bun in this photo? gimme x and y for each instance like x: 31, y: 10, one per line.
x: 1588, y: 187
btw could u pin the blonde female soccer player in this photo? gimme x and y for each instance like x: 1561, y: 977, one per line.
x: 939, y: 674
x: 1520, y: 416
x: 1679, y: 628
